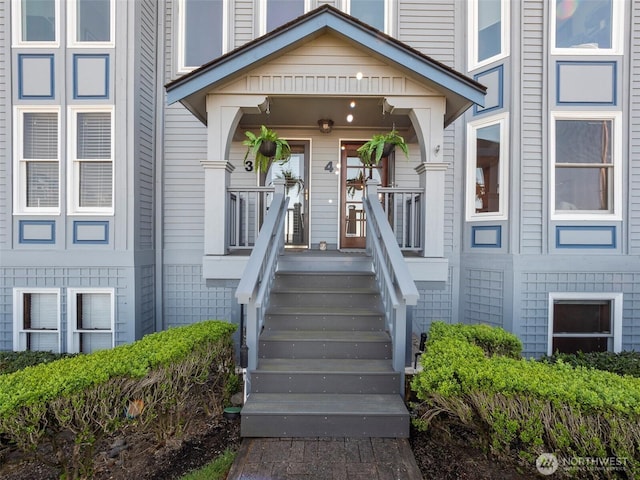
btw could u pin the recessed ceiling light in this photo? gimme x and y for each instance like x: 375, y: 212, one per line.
x: 349, y: 118
x: 359, y: 76
x: 353, y: 104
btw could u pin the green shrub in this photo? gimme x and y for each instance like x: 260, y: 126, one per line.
x: 13, y: 361
x: 623, y: 363
x: 524, y: 406
x: 88, y: 396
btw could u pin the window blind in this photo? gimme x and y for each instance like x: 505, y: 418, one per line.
x: 94, y: 136
x: 40, y: 135
x: 94, y: 311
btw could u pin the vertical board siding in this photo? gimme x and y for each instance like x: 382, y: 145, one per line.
x: 532, y: 152
x: 634, y: 132
x: 145, y: 99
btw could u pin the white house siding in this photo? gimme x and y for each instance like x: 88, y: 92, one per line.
x: 244, y: 26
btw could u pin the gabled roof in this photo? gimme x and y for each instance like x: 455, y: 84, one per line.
x: 461, y: 91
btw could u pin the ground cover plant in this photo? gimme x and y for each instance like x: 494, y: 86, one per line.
x: 522, y: 408
x: 60, y: 411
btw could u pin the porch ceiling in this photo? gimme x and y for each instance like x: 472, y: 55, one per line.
x: 304, y: 112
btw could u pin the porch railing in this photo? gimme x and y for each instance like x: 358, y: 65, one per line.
x: 255, y: 285
x: 397, y: 288
x: 403, y: 207
x: 248, y: 207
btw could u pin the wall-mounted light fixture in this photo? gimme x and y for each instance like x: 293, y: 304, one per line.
x: 325, y: 125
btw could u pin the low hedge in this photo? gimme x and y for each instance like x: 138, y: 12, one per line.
x: 623, y: 363
x: 525, y: 406
x: 69, y: 404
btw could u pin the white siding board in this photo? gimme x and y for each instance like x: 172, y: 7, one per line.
x: 429, y: 27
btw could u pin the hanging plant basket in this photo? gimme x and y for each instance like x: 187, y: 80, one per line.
x: 381, y: 145
x: 268, y: 148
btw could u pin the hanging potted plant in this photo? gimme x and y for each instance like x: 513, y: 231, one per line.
x: 291, y: 181
x: 267, y: 146
x: 381, y: 145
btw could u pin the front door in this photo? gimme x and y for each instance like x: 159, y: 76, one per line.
x: 353, y: 177
x: 295, y: 175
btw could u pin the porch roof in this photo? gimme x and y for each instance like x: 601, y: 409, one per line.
x: 459, y: 90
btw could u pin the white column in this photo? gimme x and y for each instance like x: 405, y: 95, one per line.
x: 216, y: 180
x: 432, y: 176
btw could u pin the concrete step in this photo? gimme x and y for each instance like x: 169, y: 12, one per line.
x: 324, y: 344
x: 324, y: 415
x: 282, y: 375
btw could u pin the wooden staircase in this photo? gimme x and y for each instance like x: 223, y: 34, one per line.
x: 324, y: 357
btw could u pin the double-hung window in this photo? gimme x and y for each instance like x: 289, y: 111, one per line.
x: 91, y: 320
x: 36, y: 22
x: 586, y: 322
x: 586, y: 177
x: 91, y: 149
x: 487, y: 168
x: 488, y: 25
x: 91, y: 22
x: 36, y: 324
x: 589, y: 27
x: 202, y: 32
x: 275, y: 13
x: 377, y: 13
x: 37, y: 173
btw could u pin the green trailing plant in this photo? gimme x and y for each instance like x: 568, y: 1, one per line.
x: 472, y: 377
x: 381, y: 145
x: 266, y: 147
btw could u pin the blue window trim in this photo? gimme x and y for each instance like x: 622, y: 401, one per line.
x: 21, y: 57
x: 23, y: 223
x: 496, y: 228
x: 477, y: 78
x: 78, y: 56
x: 80, y: 223
x: 586, y: 228
x: 614, y: 81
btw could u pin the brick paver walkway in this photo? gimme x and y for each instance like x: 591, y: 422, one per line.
x: 325, y: 459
